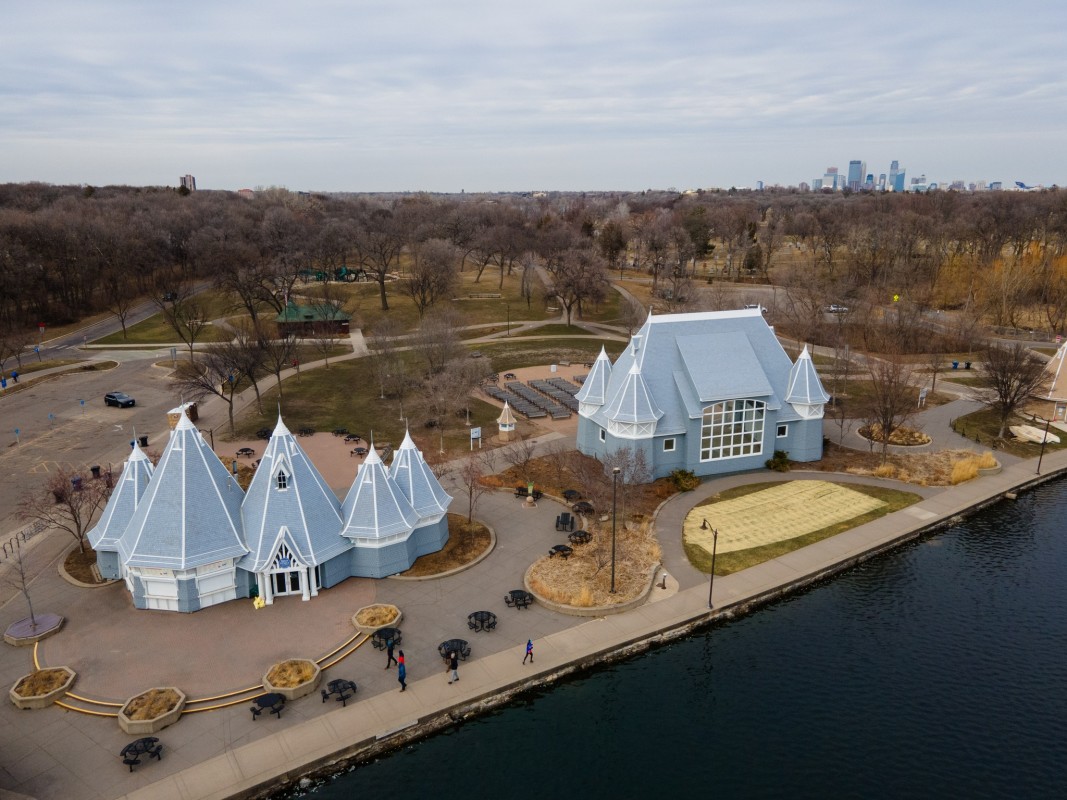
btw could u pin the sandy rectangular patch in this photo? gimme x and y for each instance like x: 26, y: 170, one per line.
x: 776, y: 514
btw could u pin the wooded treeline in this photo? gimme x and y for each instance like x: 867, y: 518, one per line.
x: 66, y: 252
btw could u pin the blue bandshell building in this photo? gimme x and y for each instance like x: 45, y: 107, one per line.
x: 184, y: 535
x: 711, y: 392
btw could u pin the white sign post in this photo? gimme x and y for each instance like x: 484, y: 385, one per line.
x: 476, y: 433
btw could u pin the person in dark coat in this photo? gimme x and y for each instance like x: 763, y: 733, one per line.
x: 389, y: 652
x: 453, y: 664
x: 529, y: 651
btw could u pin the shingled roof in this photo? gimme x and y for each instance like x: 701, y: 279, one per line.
x: 418, y: 483
x: 375, y: 508
x: 133, y: 480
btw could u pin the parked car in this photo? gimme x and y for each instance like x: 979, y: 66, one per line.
x: 119, y: 400
x: 834, y: 308
x: 170, y: 297
x: 756, y: 305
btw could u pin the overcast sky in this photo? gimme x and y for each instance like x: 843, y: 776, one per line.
x: 499, y: 96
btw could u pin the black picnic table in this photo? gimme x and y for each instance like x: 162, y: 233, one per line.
x: 580, y: 537
x: 352, y: 437
x: 560, y: 550
x: 380, y: 638
x: 358, y: 451
x: 340, y: 431
x: 457, y: 646
x: 263, y: 433
x: 518, y: 598
x: 524, y: 491
x: 582, y: 507
x: 247, y: 452
x: 272, y: 702
x: 564, y: 521
x: 481, y: 621
x: 344, y: 689
x: 571, y: 495
x: 131, y: 753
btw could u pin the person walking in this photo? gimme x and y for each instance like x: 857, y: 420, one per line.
x: 453, y: 664
x: 389, y: 652
x: 401, y: 672
x: 529, y: 651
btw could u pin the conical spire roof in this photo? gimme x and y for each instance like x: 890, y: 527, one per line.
x: 418, y: 483
x: 633, y: 402
x: 132, y: 483
x: 289, y: 500
x: 594, y: 390
x: 191, y: 513
x: 506, y: 417
x: 805, y: 388
x: 375, y: 507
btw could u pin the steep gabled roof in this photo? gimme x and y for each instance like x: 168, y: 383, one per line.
x: 1056, y: 376
x: 132, y: 483
x: 287, y: 492
x: 191, y: 513
x: 418, y: 483
x: 594, y: 390
x: 375, y: 507
x: 506, y: 417
x: 805, y: 388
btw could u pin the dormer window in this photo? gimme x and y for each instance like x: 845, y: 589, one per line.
x: 283, y: 480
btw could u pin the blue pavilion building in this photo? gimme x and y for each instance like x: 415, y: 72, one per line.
x: 711, y: 392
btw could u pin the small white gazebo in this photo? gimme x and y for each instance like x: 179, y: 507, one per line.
x: 506, y: 422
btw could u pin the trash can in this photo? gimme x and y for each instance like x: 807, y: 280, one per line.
x: 95, y: 470
x: 76, y: 483
x: 955, y: 364
x: 144, y: 441
x: 966, y: 364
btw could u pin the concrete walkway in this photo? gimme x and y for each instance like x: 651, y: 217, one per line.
x: 56, y: 754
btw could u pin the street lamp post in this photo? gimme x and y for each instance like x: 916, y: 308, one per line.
x: 1044, y: 439
x: 714, y: 548
x: 508, y: 305
x: 614, y: 496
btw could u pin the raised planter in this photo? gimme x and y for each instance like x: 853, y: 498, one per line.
x: 989, y: 470
x: 296, y: 690
x: 157, y: 721
x: 43, y: 699
x: 366, y: 610
x: 25, y: 632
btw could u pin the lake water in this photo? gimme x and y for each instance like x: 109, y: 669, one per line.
x: 936, y: 671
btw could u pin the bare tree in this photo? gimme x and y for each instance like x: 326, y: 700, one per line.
x: 185, y: 314
x: 437, y: 339
x: 890, y: 404
x: 1009, y: 375
x: 470, y: 474
x: 217, y: 372
x: 277, y: 349
x: 433, y: 274
x: 69, y: 501
x: 19, y: 580
x: 518, y: 455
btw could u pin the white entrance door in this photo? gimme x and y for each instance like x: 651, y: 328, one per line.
x: 287, y: 575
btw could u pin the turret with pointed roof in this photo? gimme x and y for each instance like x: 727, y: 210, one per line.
x: 290, y: 505
x: 132, y: 483
x: 418, y: 483
x: 191, y: 514
x: 375, y: 508
x: 806, y: 393
x: 593, y: 393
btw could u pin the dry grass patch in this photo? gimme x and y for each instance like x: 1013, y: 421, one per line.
x: 465, y: 543
x: 584, y: 580
x: 376, y: 616
x: 291, y: 673
x: 151, y: 704
x: 41, y: 682
x: 81, y: 566
x: 902, y: 437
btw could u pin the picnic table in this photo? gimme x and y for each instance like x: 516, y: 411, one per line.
x: 580, y: 537
x: 271, y: 702
x: 457, y: 646
x: 571, y: 495
x: 560, y: 550
x: 509, y: 376
x: 481, y: 621
x: 524, y: 491
x: 131, y: 753
x: 352, y: 437
x: 380, y: 638
x: 340, y: 431
x: 340, y: 687
x: 518, y: 598
x: 306, y: 432
x: 358, y: 451
x: 246, y: 452
x: 582, y: 507
x: 263, y: 433
x: 564, y: 521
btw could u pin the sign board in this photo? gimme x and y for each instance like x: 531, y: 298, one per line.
x: 284, y: 563
x: 922, y: 396
x: 476, y: 433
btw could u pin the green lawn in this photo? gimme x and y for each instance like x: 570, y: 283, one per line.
x: 983, y: 427
x: 727, y: 563
x: 533, y: 352
x: 855, y: 395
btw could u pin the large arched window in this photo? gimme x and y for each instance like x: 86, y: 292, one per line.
x: 731, y: 429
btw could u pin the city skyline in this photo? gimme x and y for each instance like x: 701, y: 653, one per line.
x: 480, y: 97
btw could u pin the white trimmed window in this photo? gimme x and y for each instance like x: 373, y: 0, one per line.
x: 732, y: 429
x: 283, y: 480
x: 668, y: 445
x: 783, y: 431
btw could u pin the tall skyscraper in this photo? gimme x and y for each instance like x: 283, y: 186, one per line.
x: 894, y: 168
x: 857, y: 170
x: 831, y: 180
x: 898, y: 181
x: 188, y: 182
